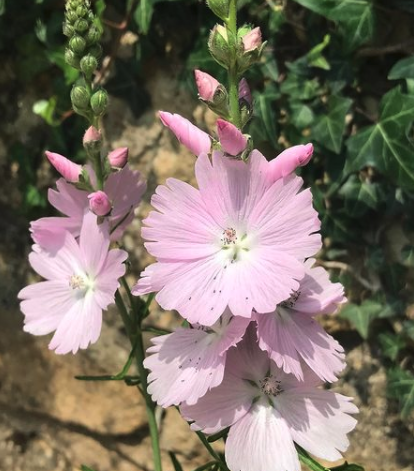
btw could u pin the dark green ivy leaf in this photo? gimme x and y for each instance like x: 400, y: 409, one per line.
x: 362, y: 315
x: 401, y: 387
x: 403, y: 69
x: 391, y: 344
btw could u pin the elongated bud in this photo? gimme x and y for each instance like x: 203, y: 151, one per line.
x: 244, y: 92
x: 118, y: 158
x: 99, y: 102
x: 206, y: 85
x: 252, y: 40
x: 99, y: 203
x: 290, y: 159
x: 196, y: 140
x: 68, y: 169
x: 232, y: 140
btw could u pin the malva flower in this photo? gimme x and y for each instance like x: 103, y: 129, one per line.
x: 184, y: 365
x: 81, y: 280
x: 290, y: 334
x: 268, y: 411
x: 238, y: 241
x: 123, y: 188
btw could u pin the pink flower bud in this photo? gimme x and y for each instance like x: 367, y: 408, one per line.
x: 196, y: 140
x: 119, y: 157
x: 231, y: 138
x: 244, y: 91
x: 68, y: 169
x: 206, y: 85
x: 99, y: 203
x: 290, y: 159
x: 252, y: 40
x: 91, y: 135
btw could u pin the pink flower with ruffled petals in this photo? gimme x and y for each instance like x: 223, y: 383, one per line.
x: 81, y: 280
x: 238, y: 241
x: 184, y: 365
x: 291, y: 336
x: 268, y: 411
x: 123, y: 188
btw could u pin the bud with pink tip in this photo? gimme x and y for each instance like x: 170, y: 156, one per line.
x: 118, y: 158
x: 99, y: 203
x: 252, y: 40
x: 91, y: 135
x: 206, y: 85
x: 68, y: 169
x: 244, y: 91
x: 290, y: 159
x: 196, y: 140
x: 232, y: 140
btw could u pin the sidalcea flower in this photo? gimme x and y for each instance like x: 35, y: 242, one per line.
x: 232, y: 140
x: 68, y: 169
x: 196, y: 140
x: 184, y: 365
x: 124, y: 188
x: 99, y: 203
x: 118, y: 158
x: 237, y: 241
x: 81, y: 280
x: 268, y: 411
x: 206, y: 85
x: 290, y: 159
x: 292, y: 337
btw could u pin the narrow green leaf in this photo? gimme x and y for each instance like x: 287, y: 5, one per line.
x: 308, y: 460
x: 208, y: 465
x: 217, y: 436
x: 175, y: 462
x: 362, y: 315
x: 401, y: 387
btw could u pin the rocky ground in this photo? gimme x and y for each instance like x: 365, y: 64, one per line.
x: 49, y: 421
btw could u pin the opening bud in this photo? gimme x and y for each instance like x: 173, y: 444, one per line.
x: 68, y: 169
x: 99, y: 203
x: 118, y: 158
x: 232, y: 140
x: 251, y: 48
x: 99, y: 102
x: 80, y: 97
x: 206, y: 85
x: 290, y: 159
x: 252, y: 40
x: 92, y: 139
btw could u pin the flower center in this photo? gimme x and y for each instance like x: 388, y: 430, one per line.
x: 270, y: 386
x: 290, y: 302
x: 233, y: 245
x: 81, y: 283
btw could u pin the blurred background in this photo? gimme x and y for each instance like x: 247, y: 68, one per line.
x: 337, y: 73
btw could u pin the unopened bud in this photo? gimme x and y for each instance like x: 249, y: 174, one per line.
x: 220, y: 8
x: 290, y: 159
x: 99, y: 102
x: 251, y: 48
x: 68, y: 169
x: 88, y: 65
x: 218, y: 44
x: 81, y: 25
x: 118, y: 158
x: 95, y: 51
x: 71, y: 16
x: 93, y: 35
x: 99, y: 203
x: 77, y: 44
x: 80, y: 97
x: 68, y: 29
x: 81, y: 11
x: 244, y: 92
x: 232, y: 140
x: 72, y: 59
x: 206, y: 85
x: 252, y: 40
x: 92, y: 139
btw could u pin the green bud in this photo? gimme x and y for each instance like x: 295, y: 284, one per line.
x: 81, y: 11
x: 88, y: 65
x: 72, y: 59
x: 80, y: 97
x: 81, y: 25
x: 99, y: 102
x: 68, y: 29
x: 95, y: 51
x: 77, y: 44
x: 220, y: 8
x: 71, y: 16
x: 218, y: 44
x: 93, y: 35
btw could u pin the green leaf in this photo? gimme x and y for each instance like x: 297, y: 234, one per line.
x: 391, y: 344
x: 175, y: 462
x: 2, y: 7
x: 315, y: 57
x: 265, y: 112
x: 300, y: 88
x: 86, y: 468
x: 385, y: 145
x: 403, y: 69
x: 360, y: 196
x: 408, y: 329
x: 46, y: 109
x: 143, y: 15
x: 401, y: 387
x: 362, y: 315
x: 315, y: 466
x: 407, y: 255
x: 302, y: 115
x: 329, y: 129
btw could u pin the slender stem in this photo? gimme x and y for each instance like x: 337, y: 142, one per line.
x: 233, y: 77
x: 211, y: 450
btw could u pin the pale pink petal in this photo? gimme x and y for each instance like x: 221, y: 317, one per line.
x: 261, y: 441
x: 94, y: 243
x: 290, y: 159
x: 107, y: 282
x: 44, y: 230
x: 69, y: 200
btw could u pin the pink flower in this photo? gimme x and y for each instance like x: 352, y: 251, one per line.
x: 196, y: 140
x: 81, y: 280
x: 291, y: 336
x: 206, y: 85
x: 238, y: 241
x: 99, y: 203
x: 124, y: 188
x: 268, y: 411
x: 184, y: 365
x: 68, y: 169
x: 244, y: 92
x: 286, y: 162
x: 118, y: 158
x: 232, y: 141
x: 252, y: 40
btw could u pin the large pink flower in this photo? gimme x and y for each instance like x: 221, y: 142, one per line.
x: 124, y: 189
x: 184, y: 365
x: 238, y: 241
x: 268, y: 410
x: 81, y: 280
x: 290, y: 334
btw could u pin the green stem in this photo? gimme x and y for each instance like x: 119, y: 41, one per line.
x: 233, y: 77
x: 211, y: 450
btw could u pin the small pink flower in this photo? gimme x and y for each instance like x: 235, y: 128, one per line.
x: 81, y: 280
x: 91, y: 135
x: 231, y: 138
x: 206, y: 85
x: 68, y: 169
x: 290, y: 159
x: 268, y: 411
x: 196, y: 140
x: 118, y: 158
x: 244, y: 91
x: 252, y: 40
x: 99, y: 203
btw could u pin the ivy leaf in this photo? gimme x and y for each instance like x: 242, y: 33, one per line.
x: 299, y: 87
x: 391, y: 344
x: 362, y: 315
x: 360, y: 196
x: 403, y: 69
x: 301, y: 115
x: 143, y: 15
x: 401, y: 387
x: 265, y: 112
x: 385, y: 145
x: 329, y: 129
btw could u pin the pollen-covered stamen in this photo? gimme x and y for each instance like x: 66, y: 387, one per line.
x: 229, y: 236
x: 270, y: 386
x: 77, y: 282
x: 290, y: 302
